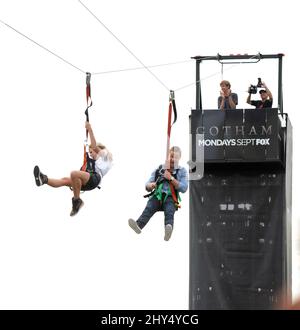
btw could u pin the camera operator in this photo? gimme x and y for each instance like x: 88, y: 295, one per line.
x: 266, y: 98
x: 227, y: 100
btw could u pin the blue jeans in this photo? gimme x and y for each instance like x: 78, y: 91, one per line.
x: 153, y: 206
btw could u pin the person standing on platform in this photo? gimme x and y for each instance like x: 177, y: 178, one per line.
x: 227, y: 99
x: 266, y: 98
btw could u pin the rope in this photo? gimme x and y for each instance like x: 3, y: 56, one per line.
x: 41, y: 46
x: 222, y: 70
x: 124, y: 45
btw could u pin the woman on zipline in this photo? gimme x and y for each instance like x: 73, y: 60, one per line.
x: 99, y: 163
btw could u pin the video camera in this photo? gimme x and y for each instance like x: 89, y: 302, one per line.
x: 253, y: 88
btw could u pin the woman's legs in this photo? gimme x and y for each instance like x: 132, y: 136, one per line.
x: 56, y: 183
x: 76, y: 180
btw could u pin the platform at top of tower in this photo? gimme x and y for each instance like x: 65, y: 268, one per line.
x: 238, y: 136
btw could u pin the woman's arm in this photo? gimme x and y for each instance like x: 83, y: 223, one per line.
x: 231, y: 102
x: 91, y: 133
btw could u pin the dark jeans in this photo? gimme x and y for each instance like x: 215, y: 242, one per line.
x: 153, y: 206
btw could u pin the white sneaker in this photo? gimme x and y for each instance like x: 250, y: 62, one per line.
x: 134, y: 226
x: 168, y: 232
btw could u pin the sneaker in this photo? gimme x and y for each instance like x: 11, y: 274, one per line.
x: 77, y: 204
x: 134, y: 226
x: 40, y: 178
x: 168, y: 232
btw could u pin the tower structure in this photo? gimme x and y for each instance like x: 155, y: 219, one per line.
x: 240, y: 208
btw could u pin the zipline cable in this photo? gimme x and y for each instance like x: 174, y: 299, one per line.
x: 93, y: 73
x: 121, y: 70
x: 123, y: 45
x: 41, y: 46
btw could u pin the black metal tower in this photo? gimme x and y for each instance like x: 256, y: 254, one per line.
x: 240, y: 211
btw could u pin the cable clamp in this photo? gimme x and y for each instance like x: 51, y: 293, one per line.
x: 172, y: 96
x: 88, y: 78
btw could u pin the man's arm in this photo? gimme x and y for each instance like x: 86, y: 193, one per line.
x: 151, y: 184
x: 268, y: 91
x: 181, y: 183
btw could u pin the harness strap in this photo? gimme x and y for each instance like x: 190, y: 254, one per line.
x: 88, y: 95
x: 88, y: 87
x: 86, y: 158
x: 158, y: 193
x: 172, y: 106
x: 174, y: 195
x: 158, y: 190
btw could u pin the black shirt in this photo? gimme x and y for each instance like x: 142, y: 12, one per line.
x: 260, y: 104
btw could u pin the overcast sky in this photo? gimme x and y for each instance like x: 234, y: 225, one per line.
x: 94, y: 260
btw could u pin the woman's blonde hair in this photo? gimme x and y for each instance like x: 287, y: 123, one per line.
x: 100, y: 146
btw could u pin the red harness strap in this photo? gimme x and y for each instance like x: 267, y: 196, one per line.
x: 89, y: 104
x: 172, y: 106
x: 174, y: 195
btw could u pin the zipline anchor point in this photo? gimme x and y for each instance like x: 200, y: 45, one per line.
x: 88, y: 78
x: 172, y: 96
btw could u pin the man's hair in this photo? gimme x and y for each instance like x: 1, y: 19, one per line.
x: 225, y: 82
x: 176, y: 149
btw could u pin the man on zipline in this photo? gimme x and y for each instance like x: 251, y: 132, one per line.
x: 164, y: 185
x: 101, y: 162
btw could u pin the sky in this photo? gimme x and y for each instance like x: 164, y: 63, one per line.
x: 94, y: 260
